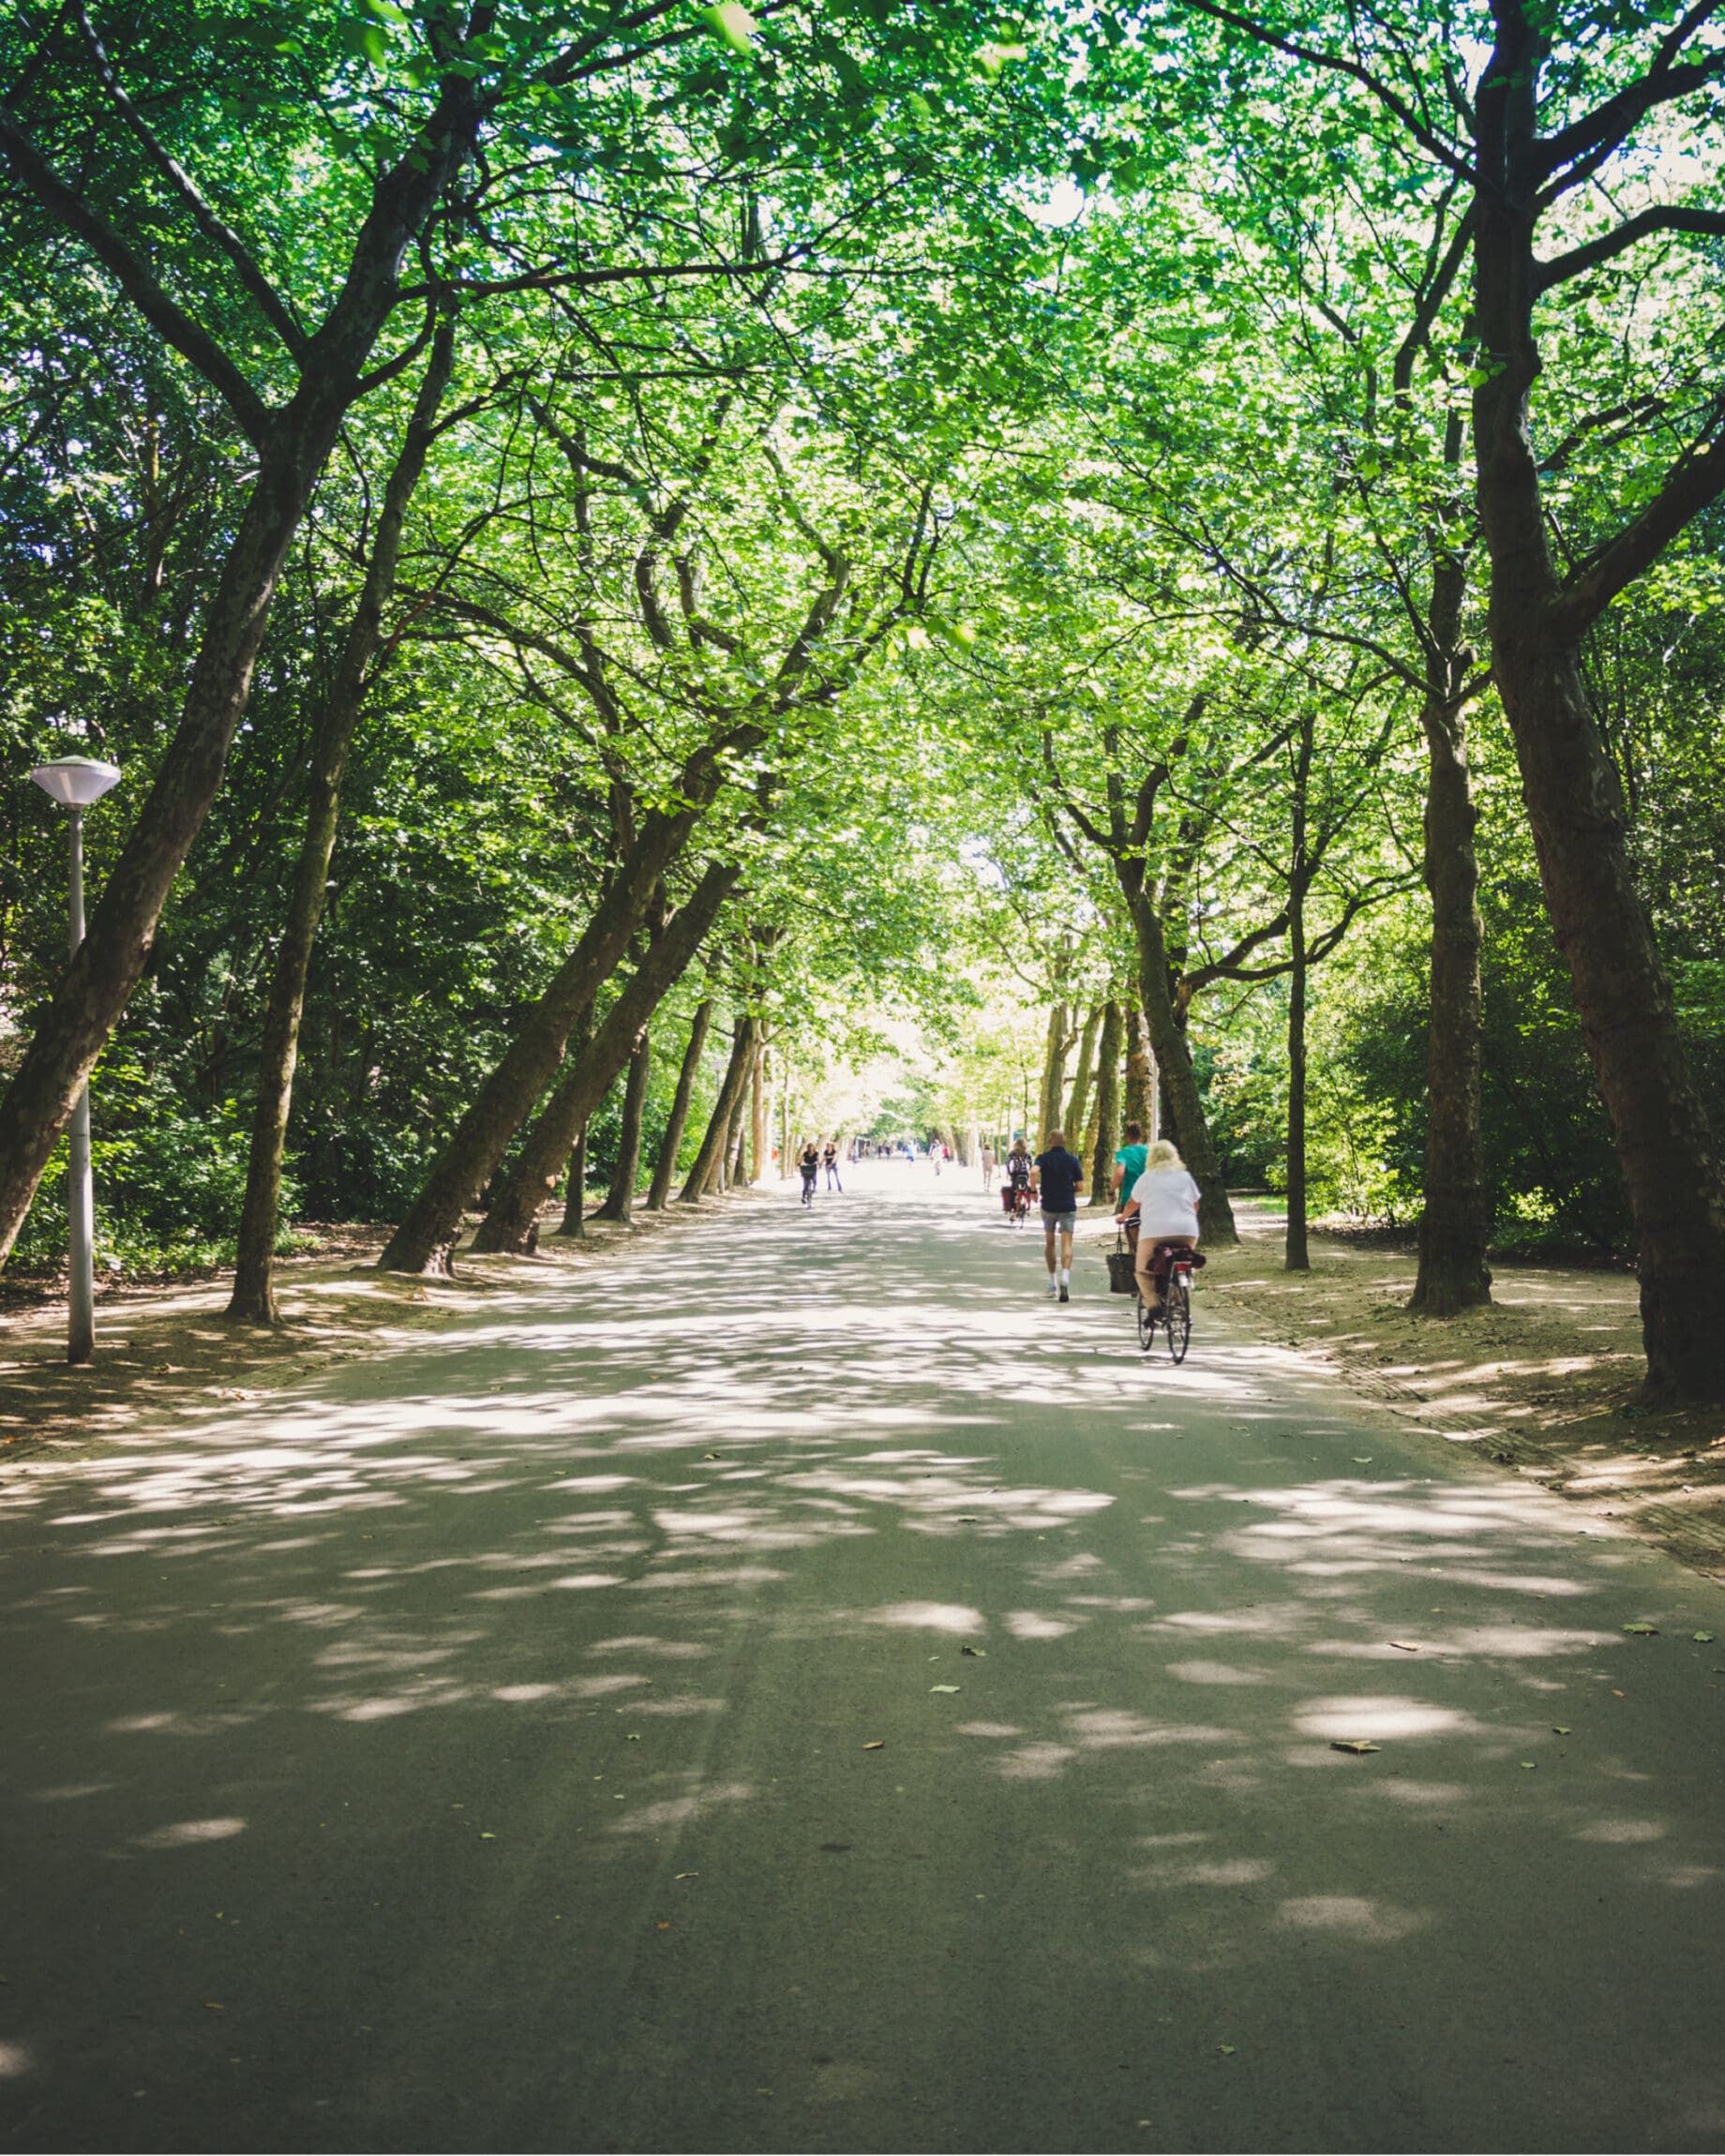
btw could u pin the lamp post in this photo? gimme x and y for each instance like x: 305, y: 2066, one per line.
x: 77, y: 783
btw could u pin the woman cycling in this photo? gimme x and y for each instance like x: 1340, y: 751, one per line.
x: 1165, y: 1202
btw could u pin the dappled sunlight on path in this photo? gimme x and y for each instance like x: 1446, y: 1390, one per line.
x: 796, y: 1688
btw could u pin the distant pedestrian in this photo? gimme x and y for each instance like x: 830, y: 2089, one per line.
x: 830, y: 1156
x: 988, y: 1167
x: 809, y: 1162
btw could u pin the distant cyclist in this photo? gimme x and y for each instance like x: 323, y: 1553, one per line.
x: 1015, y: 1187
x: 1129, y: 1161
x: 829, y: 1155
x: 809, y: 1161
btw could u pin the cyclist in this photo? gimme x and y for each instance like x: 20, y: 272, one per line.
x: 1059, y: 1177
x: 1015, y: 1190
x: 1165, y: 1202
x: 829, y: 1157
x: 809, y: 1161
x: 1129, y: 1161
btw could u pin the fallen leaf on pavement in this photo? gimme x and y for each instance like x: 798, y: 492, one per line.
x: 1530, y: 1762
x: 1703, y: 1639
x: 1226, y: 2050
x: 876, y: 1744
x: 1559, y: 1731
x: 1618, y: 1694
x: 687, y: 1874
x: 1406, y: 1646
x: 488, y: 1837
x: 981, y: 1653
x: 943, y: 1687
x: 661, y: 1928
x: 214, y: 2006
x: 709, y: 1455
x: 1361, y: 1459
x: 1641, y: 1627
x: 1353, y: 1744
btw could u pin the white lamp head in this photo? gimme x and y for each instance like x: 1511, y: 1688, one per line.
x: 75, y: 782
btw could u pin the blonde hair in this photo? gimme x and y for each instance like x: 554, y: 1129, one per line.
x: 1163, y: 1154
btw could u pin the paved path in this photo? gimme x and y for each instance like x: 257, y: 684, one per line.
x: 468, y: 1750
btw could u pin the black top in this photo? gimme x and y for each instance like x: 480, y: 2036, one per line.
x: 1018, y: 1167
x: 1062, y: 1173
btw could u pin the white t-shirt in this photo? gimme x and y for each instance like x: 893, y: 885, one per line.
x: 1167, y: 1203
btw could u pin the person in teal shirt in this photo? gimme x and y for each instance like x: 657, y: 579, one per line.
x: 1129, y: 1161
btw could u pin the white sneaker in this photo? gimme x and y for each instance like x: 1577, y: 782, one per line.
x: 1054, y: 1288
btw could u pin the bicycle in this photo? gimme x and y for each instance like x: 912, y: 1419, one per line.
x: 1175, y: 1316
x: 1021, y: 1204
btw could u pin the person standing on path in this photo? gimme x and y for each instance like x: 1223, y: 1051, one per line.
x: 988, y: 1167
x: 1165, y: 1202
x: 1059, y: 1177
x: 830, y: 1155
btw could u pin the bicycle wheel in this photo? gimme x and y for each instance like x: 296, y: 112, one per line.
x: 1147, y: 1323
x: 1179, y: 1319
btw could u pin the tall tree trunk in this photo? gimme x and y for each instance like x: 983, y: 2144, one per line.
x: 1059, y: 1039
x: 1107, y: 1105
x: 1669, y: 1155
x: 426, y: 1239
x: 1139, y: 1105
x: 620, y: 1200
x: 1455, y: 1225
x: 253, y: 1300
x: 1078, y: 1106
x: 1174, y: 1057
x: 757, y: 1118
x: 1298, y: 1258
x: 739, y: 1154
x: 508, y: 1224
x: 292, y: 445
x: 736, y: 1076
x: 665, y: 1168
x: 573, y: 1222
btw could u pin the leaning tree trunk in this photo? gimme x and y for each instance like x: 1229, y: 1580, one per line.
x: 1107, y: 1106
x: 1455, y: 1225
x: 573, y: 1222
x: 253, y: 1300
x: 665, y: 1168
x: 1174, y: 1061
x: 293, y: 444
x: 425, y: 1240
x: 620, y: 1199
x: 508, y: 1224
x: 718, y: 1129
x: 1668, y: 1151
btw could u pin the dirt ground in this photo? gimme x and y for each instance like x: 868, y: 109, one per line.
x: 1544, y: 1379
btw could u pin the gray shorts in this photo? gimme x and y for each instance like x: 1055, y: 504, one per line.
x: 1065, y: 1223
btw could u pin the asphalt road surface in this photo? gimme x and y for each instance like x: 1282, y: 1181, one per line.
x: 791, y: 1689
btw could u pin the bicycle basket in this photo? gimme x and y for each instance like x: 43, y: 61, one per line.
x: 1120, y: 1280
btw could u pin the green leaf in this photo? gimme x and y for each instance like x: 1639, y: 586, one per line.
x: 732, y: 25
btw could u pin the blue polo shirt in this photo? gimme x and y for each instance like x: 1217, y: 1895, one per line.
x: 1062, y: 1172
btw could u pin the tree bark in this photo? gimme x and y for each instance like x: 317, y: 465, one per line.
x: 573, y: 1222
x: 620, y: 1200
x: 718, y: 1129
x: 1669, y: 1155
x: 1078, y: 1106
x: 757, y: 1118
x: 426, y: 1239
x: 1139, y: 1105
x: 253, y: 1300
x: 1297, y: 1254
x: 1174, y: 1057
x: 293, y: 444
x: 1059, y: 1039
x: 1107, y: 1106
x: 508, y: 1224
x: 1455, y: 1224
x: 665, y: 1168
x: 1297, y: 1257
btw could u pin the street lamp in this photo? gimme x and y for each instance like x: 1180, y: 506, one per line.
x: 76, y: 783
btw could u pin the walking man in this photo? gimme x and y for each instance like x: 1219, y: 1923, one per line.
x: 1059, y: 1177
